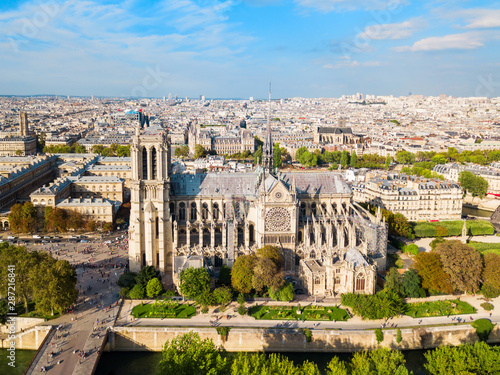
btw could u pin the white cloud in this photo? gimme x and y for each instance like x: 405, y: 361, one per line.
x: 465, y: 41
x: 480, y: 18
x: 401, y: 30
x: 327, y: 6
x: 114, y: 44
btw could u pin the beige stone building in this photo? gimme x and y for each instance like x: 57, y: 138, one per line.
x: 220, y: 139
x: 309, y: 216
x: 98, y: 209
x: 415, y: 197
x: 17, y: 145
x: 491, y: 174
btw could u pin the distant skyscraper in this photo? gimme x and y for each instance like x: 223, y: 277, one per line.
x: 169, y: 96
x: 23, y: 123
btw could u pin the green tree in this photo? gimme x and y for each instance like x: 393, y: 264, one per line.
x: 24, y: 262
x: 286, y: 293
x: 381, y: 361
x: 491, y: 275
x: 266, y: 275
x: 187, y: 354
x: 154, y: 288
x: 394, y: 281
x: 277, y: 156
x: 137, y: 292
x: 477, y: 186
x: 336, y: 367
x: 4, y: 309
x: 271, y: 252
x: 379, y: 335
x: 430, y: 269
x: 298, y: 154
x: 225, y: 275
x: 344, y: 159
x: 78, y: 148
x: 223, y: 295
x: 479, y: 358
x: 388, y: 161
x: 199, y: 152
x: 354, y: 160
x: 56, y: 220
x: 463, y: 263
x: 257, y: 156
x: 411, y: 284
x: 127, y: 279
x: 182, y: 151
x: 399, y: 336
x: 269, y: 364
x: 405, y: 157
x: 145, y: 274
x: 242, y: 273
x: 23, y: 218
x: 54, y: 284
x: 194, y: 282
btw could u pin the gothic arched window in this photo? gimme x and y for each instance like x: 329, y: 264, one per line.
x: 144, y: 163
x: 182, y: 211
x: 153, y: 164
x: 193, y: 215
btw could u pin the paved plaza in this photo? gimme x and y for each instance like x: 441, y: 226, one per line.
x: 99, y: 265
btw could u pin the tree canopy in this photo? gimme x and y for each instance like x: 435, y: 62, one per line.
x: 491, y: 275
x: 430, y: 269
x: 40, y: 277
x: 462, y: 263
x: 194, y: 282
x: 23, y: 218
x: 477, y: 186
x: 187, y: 355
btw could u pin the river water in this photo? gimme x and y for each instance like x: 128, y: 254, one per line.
x: 146, y: 363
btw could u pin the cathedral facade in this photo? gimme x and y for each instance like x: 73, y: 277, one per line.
x: 182, y: 220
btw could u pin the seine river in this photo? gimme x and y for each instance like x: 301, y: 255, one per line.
x: 146, y: 363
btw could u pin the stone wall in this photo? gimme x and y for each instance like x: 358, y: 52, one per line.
x: 30, y: 339
x: 22, y: 323
x: 276, y: 340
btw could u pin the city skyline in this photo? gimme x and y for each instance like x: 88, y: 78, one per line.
x: 231, y: 49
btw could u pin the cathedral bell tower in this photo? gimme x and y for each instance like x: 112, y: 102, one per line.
x: 150, y: 233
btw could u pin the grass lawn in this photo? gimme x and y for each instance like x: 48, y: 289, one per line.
x: 452, y: 228
x: 165, y: 309
x: 484, y: 247
x: 438, y: 308
x: 306, y: 313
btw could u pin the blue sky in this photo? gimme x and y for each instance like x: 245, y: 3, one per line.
x: 232, y: 48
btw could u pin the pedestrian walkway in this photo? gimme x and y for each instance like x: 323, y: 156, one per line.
x: 356, y: 322
x: 78, y: 339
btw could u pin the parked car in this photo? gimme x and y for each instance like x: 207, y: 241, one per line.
x: 57, y: 238
x: 46, y: 237
x: 36, y: 236
x: 11, y: 238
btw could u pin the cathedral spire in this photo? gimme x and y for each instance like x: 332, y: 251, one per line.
x: 267, y: 158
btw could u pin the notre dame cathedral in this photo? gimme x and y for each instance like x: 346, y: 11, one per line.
x: 329, y: 242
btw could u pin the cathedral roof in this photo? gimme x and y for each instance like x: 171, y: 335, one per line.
x: 214, y: 184
x: 354, y: 256
x: 317, y: 182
